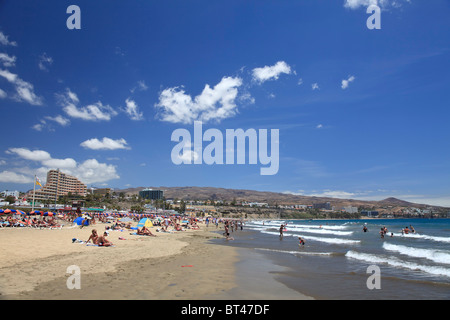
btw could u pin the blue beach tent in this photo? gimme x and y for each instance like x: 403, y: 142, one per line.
x: 79, y: 221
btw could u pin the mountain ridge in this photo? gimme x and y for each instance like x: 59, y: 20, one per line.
x: 270, y: 197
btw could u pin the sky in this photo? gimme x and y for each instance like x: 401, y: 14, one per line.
x: 362, y: 113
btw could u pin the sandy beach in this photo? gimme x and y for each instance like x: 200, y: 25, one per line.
x: 179, y: 265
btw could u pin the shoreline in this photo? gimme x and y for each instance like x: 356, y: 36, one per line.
x: 171, y: 266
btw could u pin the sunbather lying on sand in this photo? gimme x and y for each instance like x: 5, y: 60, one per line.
x: 145, y: 232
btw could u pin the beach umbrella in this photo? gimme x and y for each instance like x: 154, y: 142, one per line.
x: 45, y: 214
x: 7, y: 211
x: 19, y: 212
x: 1, y: 211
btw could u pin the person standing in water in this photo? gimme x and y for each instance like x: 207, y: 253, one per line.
x: 281, y: 231
x: 301, y: 241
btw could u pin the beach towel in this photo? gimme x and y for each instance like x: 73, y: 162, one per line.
x: 96, y: 245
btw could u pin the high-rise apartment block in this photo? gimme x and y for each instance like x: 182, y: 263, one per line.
x: 58, y: 184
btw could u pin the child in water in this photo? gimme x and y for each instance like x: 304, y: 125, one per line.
x: 301, y: 241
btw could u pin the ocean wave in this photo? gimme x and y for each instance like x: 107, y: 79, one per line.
x: 308, y: 237
x: 277, y: 224
x: 295, y: 228
x: 319, y: 227
x: 302, y: 230
x: 430, y: 254
x: 298, y: 252
x: 422, y: 236
x: 394, y: 262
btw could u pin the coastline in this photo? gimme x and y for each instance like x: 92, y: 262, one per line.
x: 171, y: 266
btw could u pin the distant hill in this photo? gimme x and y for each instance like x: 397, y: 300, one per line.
x: 212, y: 193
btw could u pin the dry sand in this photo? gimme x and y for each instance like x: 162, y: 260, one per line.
x: 180, y: 265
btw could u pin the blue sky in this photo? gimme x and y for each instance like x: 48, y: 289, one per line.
x: 361, y: 113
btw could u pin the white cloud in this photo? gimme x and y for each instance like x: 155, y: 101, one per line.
x: 270, y: 72
x: 141, y: 86
x: 60, y: 163
x: 216, y: 103
x: 326, y: 194
x: 7, y: 60
x: 188, y: 156
x: 43, y: 123
x: 5, y: 41
x: 37, y: 155
x: 12, y: 177
x: 355, y: 4
x: 105, y: 144
x: 92, y: 112
x: 300, y: 81
x: 132, y: 110
x: 59, y: 119
x: 2, y: 94
x: 39, y: 126
x: 11, y: 77
x: 89, y: 171
x: 319, y: 126
x: 346, y: 82
x: 25, y: 90
x: 315, y: 86
x: 45, y: 62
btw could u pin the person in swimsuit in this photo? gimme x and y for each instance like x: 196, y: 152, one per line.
x: 301, y: 241
x: 93, y: 237
x: 103, y: 242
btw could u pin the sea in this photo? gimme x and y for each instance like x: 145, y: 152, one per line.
x: 340, y: 261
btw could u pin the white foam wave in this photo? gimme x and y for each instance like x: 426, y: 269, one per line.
x: 394, y: 262
x: 330, y: 240
x: 319, y: 231
x: 326, y: 240
x: 277, y: 224
x: 425, y: 237
x: 298, y: 252
x: 318, y: 227
x: 430, y: 254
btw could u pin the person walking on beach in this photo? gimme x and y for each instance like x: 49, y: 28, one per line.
x: 227, y: 232
x: 281, y: 231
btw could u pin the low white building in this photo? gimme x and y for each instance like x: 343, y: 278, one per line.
x: 350, y: 209
x: 7, y: 193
